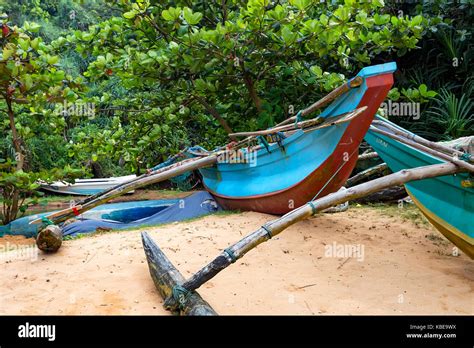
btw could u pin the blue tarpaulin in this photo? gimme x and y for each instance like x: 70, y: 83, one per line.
x: 198, y: 204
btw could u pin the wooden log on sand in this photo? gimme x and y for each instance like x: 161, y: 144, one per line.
x: 366, y: 156
x: 391, y: 194
x: 50, y: 238
x: 272, y: 228
x: 379, y: 168
x: 167, y: 281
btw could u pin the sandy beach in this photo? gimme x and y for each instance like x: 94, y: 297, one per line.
x: 398, y: 266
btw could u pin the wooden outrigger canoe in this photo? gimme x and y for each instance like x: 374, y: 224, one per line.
x: 446, y: 201
x: 306, y: 164
x: 311, y: 159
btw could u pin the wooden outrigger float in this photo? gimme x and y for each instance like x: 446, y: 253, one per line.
x: 167, y: 279
x: 274, y: 227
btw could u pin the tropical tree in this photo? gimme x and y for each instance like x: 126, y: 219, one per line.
x: 206, y: 68
x: 29, y: 81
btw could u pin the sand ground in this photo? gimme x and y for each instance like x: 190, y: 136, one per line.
x: 400, y: 268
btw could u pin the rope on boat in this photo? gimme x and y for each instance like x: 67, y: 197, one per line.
x: 313, y: 207
x: 46, y: 221
x: 264, y: 142
x: 231, y: 255
x: 335, y: 173
x: 269, y: 231
x: 180, y: 295
x: 466, y: 157
x: 298, y: 118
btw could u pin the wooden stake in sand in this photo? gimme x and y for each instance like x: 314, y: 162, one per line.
x: 167, y: 279
x: 272, y: 228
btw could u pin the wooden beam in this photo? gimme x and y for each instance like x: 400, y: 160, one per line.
x: 272, y: 228
x: 166, y: 278
x: 355, y: 82
x: 366, y: 173
x: 425, y: 148
x: 153, y: 178
x: 366, y: 156
x: 417, y: 139
x: 314, y: 123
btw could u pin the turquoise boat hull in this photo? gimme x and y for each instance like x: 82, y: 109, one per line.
x: 306, y: 164
x: 446, y: 201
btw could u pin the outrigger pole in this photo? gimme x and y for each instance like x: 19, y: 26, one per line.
x: 274, y: 227
x: 207, y: 160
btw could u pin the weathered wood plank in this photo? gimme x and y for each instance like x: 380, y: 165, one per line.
x: 166, y: 277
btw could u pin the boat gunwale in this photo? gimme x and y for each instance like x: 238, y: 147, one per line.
x: 412, y: 152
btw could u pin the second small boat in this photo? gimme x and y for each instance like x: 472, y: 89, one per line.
x: 446, y: 201
x: 85, y: 187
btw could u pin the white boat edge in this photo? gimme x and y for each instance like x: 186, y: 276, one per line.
x: 85, y: 187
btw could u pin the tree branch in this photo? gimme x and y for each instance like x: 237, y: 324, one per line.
x: 214, y: 113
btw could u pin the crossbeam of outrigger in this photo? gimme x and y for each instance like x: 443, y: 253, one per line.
x: 274, y: 227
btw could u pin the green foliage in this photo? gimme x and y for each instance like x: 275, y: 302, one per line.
x: 30, y: 81
x: 443, y: 63
x: 20, y: 189
x: 452, y: 116
x: 246, y: 62
x: 165, y: 75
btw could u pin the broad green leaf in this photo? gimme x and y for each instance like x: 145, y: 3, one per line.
x: 171, y: 14
x: 287, y: 35
x: 24, y: 44
x: 190, y: 17
x: 35, y: 43
x: 300, y: 4
x: 28, y: 81
x: 7, y: 52
x: 52, y: 60
x: 316, y: 70
x: 130, y: 14
x: 381, y: 19
x: 416, y: 20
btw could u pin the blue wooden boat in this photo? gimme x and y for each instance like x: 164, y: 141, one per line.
x: 307, y: 160
x: 304, y: 164
x: 447, y: 201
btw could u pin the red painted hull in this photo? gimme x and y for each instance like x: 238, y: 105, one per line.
x: 332, y: 174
